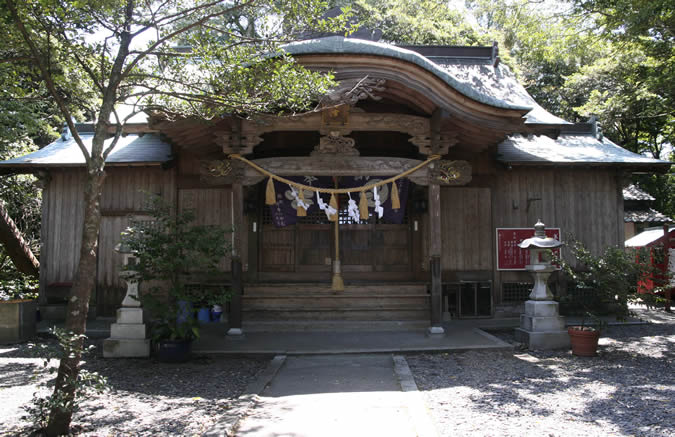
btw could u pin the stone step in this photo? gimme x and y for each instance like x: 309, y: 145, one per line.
x: 334, y: 325
x: 343, y: 302
x: 386, y: 314
x: 322, y: 289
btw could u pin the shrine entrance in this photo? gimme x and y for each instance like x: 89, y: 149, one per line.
x: 373, y: 249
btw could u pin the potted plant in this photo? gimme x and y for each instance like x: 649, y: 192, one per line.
x: 172, y: 250
x: 217, y: 299
x: 18, y: 309
x: 603, y: 285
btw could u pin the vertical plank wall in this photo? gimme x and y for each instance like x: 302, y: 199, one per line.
x: 63, y: 213
x: 466, y: 227
x: 585, y: 203
x: 124, y: 194
x: 212, y: 206
x: 581, y: 202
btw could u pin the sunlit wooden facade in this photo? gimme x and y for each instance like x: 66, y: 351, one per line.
x: 505, y: 163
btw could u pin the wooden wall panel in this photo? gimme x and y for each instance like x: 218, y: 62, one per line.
x: 124, y: 193
x: 466, y: 229
x: 110, y: 289
x: 212, y: 206
x: 128, y: 189
x: 582, y: 202
x: 63, y: 226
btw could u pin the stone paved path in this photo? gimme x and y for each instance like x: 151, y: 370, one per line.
x: 335, y: 395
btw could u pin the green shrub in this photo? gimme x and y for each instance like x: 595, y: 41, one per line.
x: 169, y: 247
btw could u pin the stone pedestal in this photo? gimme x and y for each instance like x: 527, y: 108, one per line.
x: 127, y: 336
x: 541, y: 327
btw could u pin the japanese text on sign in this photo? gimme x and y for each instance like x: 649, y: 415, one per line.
x: 512, y: 257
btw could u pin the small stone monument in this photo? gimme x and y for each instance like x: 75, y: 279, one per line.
x: 541, y: 327
x: 127, y: 336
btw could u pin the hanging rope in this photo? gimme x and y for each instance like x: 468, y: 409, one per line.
x: 331, y: 190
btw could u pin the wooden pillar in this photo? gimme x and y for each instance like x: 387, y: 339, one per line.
x: 44, y: 241
x: 435, y: 258
x: 234, y: 318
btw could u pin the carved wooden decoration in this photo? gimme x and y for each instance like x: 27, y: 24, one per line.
x: 350, y: 91
x: 337, y: 116
x: 225, y: 172
x: 444, y: 142
x: 218, y: 168
x: 327, y: 165
x: 415, y: 126
x: 227, y: 141
x: 452, y: 172
x: 335, y: 145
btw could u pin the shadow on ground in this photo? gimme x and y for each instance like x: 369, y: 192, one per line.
x: 630, y: 384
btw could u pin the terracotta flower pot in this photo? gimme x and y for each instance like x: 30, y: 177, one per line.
x: 584, y: 341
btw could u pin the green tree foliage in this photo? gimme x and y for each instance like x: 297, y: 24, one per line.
x: 29, y: 119
x: 95, y: 56
x: 171, y: 248
x: 422, y: 22
x: 546, y: 44
x: 632, y: 87
x: 611, y: 59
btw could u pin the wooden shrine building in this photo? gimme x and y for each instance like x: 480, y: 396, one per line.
x: 504, y: 163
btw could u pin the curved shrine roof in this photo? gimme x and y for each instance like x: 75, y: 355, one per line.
x: 474, y: 77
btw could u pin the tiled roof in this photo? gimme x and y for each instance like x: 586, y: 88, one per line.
x: 645, y: 216
x: 500, y: 84
x: 568, y: 149
x: 464, y: 83
x: 131, y: 149
x: 632, y: 192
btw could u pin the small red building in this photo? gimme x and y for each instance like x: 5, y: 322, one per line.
x: 661, y: 242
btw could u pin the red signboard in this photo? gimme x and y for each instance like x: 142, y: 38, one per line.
x: 512, y: 257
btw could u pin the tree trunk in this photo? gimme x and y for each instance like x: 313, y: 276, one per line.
x: 78, y: 304
x: 16, y: 247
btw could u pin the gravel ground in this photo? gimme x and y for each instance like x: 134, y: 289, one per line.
x: 148, y: 398
x: 628, y: 389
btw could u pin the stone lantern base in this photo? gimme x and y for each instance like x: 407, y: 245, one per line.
x: 127, y: 336
x: 541, y: 327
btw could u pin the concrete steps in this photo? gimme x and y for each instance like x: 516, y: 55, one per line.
x: 303, y: 306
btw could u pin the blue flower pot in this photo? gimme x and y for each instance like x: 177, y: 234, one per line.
x: 203, y: 315
x: 216, y: 312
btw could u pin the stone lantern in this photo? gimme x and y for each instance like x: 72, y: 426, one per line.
x: 541, y: 326
x: 127, y: 336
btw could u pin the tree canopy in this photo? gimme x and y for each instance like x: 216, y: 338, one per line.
x: 579, y: 58
x: 107, y: 60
